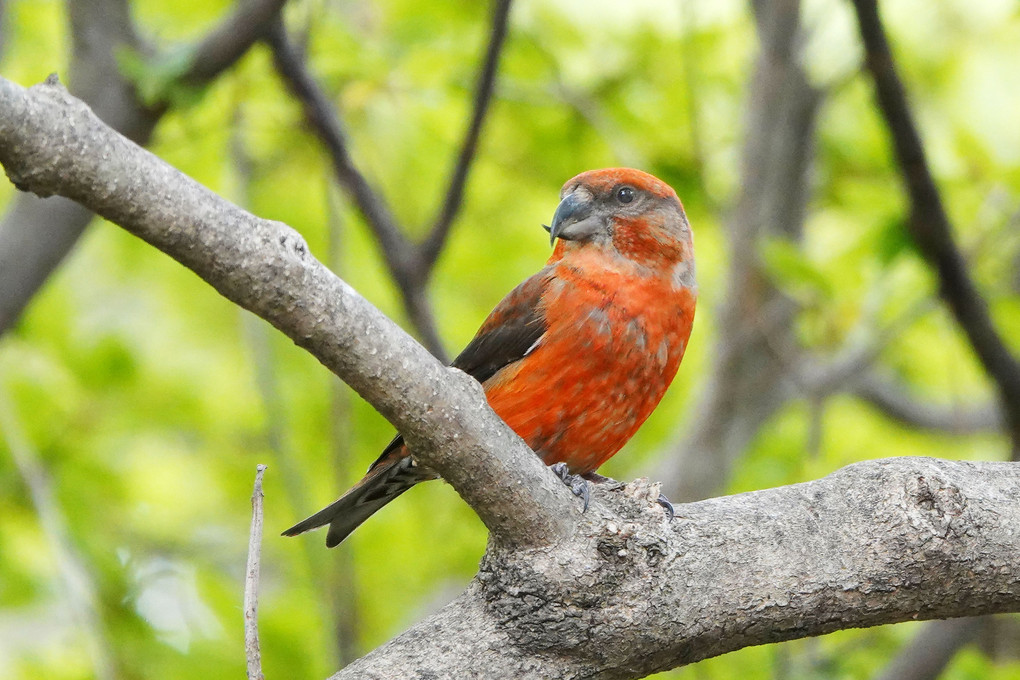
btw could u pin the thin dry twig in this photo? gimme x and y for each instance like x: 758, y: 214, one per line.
x: 251, y: 582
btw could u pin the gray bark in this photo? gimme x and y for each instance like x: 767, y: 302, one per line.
x: 630, y: 593
x: 617, y: 592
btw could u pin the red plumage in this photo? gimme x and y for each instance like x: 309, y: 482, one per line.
x: 576, y: 357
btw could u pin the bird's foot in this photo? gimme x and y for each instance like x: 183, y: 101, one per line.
x: 577, y: 484
x: 667, y: 506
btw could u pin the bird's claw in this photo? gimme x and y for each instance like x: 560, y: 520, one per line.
x: 577, y: 484
x: 667, y: 506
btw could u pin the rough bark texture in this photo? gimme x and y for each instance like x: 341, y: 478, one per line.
x: 630, y: 593
x: 618, y: 592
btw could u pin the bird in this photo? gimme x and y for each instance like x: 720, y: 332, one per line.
x: 576, y: 357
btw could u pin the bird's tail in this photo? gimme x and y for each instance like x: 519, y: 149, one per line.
x: 385, y: 481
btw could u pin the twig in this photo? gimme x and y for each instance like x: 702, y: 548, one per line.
x: 890, y: 398
x: 402, y: 257
x: 251, y: 582
x: 929, y: 225
x: 228, y: 41
x: 432, y: 246
x: 325, y: 124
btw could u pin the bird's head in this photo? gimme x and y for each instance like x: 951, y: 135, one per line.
x: 626, y: 212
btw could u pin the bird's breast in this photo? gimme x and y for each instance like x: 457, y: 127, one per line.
x: 611, y: 348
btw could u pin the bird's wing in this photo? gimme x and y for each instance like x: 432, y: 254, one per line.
x: 511, y: 331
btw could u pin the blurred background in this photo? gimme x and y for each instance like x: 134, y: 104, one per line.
x: 135, y: 402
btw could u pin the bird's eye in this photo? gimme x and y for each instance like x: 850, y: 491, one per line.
x: 625, y: 194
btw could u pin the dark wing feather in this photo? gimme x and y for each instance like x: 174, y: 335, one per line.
x: 509, y: 333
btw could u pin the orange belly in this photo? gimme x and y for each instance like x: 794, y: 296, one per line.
x: 605, y: 361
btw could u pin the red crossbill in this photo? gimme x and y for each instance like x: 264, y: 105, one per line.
x: 576, y: 357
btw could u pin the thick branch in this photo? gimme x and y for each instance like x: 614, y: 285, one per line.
x: 433, y: 244
x: 929, y: 225
x: 873, y: 543
x: 51, y: 142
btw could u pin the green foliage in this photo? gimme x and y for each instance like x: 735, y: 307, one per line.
x: 148, y: 400
x: 158, y: 79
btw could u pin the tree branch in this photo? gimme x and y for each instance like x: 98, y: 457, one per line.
x: 99, y: 28
x: 228, y: 42
x: 873, y: 543
x: 893, y: 401
x: 432, y: 246
x: 402, y: 258
x: 51, y: 142
x: 929, y: 225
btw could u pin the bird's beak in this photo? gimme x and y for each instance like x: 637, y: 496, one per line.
x: 574, y: 219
